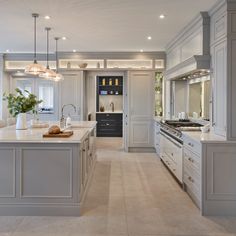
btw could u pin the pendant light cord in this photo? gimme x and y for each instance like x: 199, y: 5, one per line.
x: 35, y: 38
x: 56, y: 39
x: 47, y: 47
x: 35, y: 15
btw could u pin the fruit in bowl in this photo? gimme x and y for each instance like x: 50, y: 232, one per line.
x: 83, y: 65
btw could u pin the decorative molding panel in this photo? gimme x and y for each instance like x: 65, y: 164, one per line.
x: 46, y: 173
x: 8, y: 173
x: 221, y: 174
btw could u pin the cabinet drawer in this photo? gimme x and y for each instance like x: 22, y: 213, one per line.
x: 192, y: 160
x: 192, y: 145
x: 192, y: 181
x: 108, y: 116
x: 109, y: 125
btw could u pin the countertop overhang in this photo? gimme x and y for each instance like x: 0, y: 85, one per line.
x: 35, y: 135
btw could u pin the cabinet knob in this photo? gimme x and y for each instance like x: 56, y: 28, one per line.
x: 190, y: 179
x: 107, y: 124
x: 191, y: 144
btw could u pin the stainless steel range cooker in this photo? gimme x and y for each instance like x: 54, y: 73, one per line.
x: 171, y: 144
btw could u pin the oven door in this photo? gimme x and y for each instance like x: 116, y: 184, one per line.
x: 172, y: 154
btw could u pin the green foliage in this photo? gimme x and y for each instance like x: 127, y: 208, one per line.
x: 19, y: 103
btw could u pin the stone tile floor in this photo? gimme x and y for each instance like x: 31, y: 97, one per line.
x: 131, y: 194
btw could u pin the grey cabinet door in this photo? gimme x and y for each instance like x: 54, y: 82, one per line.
x: 71, y: 92
x: 141, y: 108
x: 219, y: 59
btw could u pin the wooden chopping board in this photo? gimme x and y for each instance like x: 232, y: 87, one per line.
x: 65, y: 134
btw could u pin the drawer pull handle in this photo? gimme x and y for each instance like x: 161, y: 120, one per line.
x: 107, y: 124
x: 190, y: 179
x: 191, y: 144
x: 191, y: 160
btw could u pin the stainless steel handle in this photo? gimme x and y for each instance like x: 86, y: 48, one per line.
x: 190, y: 179
x: 171, y: 140
x: 191, y: 144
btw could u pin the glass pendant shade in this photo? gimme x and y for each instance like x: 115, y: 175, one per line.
x: 34, y: 68
x: 58, y: 77
x: 48, y: 74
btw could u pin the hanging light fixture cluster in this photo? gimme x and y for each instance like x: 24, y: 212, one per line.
x: 39, y: 70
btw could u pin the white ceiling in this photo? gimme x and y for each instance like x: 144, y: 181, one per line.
x: 96, y: 25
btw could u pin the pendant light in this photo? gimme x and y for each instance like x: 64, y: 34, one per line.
x: 35, y: 68
x: 48, y: 73
x: 59, y: 76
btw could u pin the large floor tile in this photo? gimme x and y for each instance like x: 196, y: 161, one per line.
x: 9, y: 223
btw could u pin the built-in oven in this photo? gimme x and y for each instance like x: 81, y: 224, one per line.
x: 171, y: 153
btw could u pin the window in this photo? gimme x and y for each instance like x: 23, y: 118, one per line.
x: 46, y: 93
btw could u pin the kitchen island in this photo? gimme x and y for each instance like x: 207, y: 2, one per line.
x: 45, y: 176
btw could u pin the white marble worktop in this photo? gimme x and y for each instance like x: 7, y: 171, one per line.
x: 209, y: 137
x: 35, y: 135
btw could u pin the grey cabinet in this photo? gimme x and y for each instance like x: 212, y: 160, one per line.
x: 141, y: 109
x: 219, y: 79
x: 71, y: 92
x: 223, y: 52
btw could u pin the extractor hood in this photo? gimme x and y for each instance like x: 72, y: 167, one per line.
x: 198, y: 65
x: 188, y: 54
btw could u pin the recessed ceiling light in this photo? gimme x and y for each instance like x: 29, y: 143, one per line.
x: 162, y: 16
x: 74, y: 50
x: 63, y: 38
x: 149, y: 37
x: 141, y: 50
x: 47, y: 17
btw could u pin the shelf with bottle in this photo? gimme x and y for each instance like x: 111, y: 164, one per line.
x: 110, y: 81
x: 110, y: 92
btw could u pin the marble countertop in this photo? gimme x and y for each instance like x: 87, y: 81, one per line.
x: 35, y: 135
x: 209, y: 137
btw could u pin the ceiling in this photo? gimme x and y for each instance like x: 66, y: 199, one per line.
x: 96, y: 25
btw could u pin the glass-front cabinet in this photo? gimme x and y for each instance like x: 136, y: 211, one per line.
x: 158, y: 94
x: 45, y: 90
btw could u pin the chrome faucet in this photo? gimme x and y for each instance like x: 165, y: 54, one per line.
x: 112, y: 106
x: 63, y: 120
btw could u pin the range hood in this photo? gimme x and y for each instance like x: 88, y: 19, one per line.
x: 188, y: 54
x: 196, y: 66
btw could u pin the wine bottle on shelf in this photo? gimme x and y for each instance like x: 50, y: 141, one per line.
x: 103, y: 81
x: 110, y: 81
x: 116, y: 82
